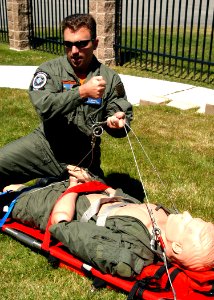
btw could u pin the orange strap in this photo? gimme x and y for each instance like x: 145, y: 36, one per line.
x: 91, y: 186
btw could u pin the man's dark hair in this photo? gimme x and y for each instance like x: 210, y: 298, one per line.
x: 77, y: 21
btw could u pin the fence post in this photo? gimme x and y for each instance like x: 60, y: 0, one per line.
x: 18, y: 24
x: 104, y: 13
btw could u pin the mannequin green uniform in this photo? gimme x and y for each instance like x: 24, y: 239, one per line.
x: 64, y: 136
x: 122, y: 247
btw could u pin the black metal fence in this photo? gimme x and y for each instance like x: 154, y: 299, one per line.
x: 171, y: 37
x: 3, y: 22
x: 47, y: 15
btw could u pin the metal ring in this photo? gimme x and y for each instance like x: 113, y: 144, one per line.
x: 98, y: 131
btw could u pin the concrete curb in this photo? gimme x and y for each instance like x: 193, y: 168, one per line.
x: 145, y: 91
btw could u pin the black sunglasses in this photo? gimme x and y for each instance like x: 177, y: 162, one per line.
x: 79, y: 44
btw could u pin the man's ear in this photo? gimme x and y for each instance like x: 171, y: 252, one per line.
x: 176, y: 248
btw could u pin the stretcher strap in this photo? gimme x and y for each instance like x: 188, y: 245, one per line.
x: 10, y: 207
x: 91, y: 186
x: 95, y: 207
x: 101, y: 219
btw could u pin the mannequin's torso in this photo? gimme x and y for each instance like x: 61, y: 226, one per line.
x: 138, y: 211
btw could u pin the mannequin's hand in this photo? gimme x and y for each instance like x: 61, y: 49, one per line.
x: 79, y: 173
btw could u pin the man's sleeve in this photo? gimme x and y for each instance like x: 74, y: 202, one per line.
x: 48, y: 97
x: 117, y: 101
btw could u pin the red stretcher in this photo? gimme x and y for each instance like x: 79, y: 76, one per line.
x: 142, y: 287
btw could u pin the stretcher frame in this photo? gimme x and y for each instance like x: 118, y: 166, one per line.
x: 59, y: 256
x: 33, y: 238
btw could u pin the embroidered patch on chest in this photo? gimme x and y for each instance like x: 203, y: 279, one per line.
x: 67, y: 85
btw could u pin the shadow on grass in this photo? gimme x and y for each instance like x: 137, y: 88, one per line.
x: 129, y: 185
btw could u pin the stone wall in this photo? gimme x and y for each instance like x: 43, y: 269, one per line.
x: 103, y: 11
x: 18, y: 24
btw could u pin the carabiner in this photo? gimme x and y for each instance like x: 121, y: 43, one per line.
x: 98, y: 128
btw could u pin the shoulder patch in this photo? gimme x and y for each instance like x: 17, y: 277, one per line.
x: 120, y: 89
x: 39, y: 80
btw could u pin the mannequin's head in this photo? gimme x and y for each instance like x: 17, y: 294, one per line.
x: 190, y: 241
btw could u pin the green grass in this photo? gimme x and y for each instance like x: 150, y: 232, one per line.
x: 163, y: 40
x: 180, y: 145
x: 26, y: 275
x: 19, y: 58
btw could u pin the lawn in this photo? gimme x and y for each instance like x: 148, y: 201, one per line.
x: 174, y: 151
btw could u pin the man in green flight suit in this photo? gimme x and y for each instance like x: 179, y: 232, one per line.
x: 70, y: 94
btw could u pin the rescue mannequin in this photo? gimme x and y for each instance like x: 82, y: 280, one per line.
x: 189, y: 242
x: 192, y: 246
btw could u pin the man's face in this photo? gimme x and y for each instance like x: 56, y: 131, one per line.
x: 79, y: 56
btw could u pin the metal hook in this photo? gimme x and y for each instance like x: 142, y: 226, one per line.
x: 98, y: 128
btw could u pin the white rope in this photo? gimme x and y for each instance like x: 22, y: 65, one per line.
x: 154, y: 224
x: 136, y: 164
x: 144, y: 190
x: 168, y: 275
x: 154, y: 169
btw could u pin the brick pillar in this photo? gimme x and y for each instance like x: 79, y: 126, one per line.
x: 18, y: 24
x: 104, y: 13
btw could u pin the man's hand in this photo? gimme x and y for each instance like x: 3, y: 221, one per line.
x: 94, y: 88
x: 118, y: 120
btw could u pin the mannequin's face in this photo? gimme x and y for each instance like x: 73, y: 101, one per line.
x: 190, y: 240
x: 184, y: 229
x: 176, y: 225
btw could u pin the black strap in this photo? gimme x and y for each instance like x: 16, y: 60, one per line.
x: 140, y: 293
x: 140, y: 284
x: 160, y: 272
x: 99, y: 283
x: 53, y: 261
x: 150, y: 283
x: 209, y: 293
x: 173, y: 275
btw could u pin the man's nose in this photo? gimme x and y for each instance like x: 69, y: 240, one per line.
x: 74, y: 49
